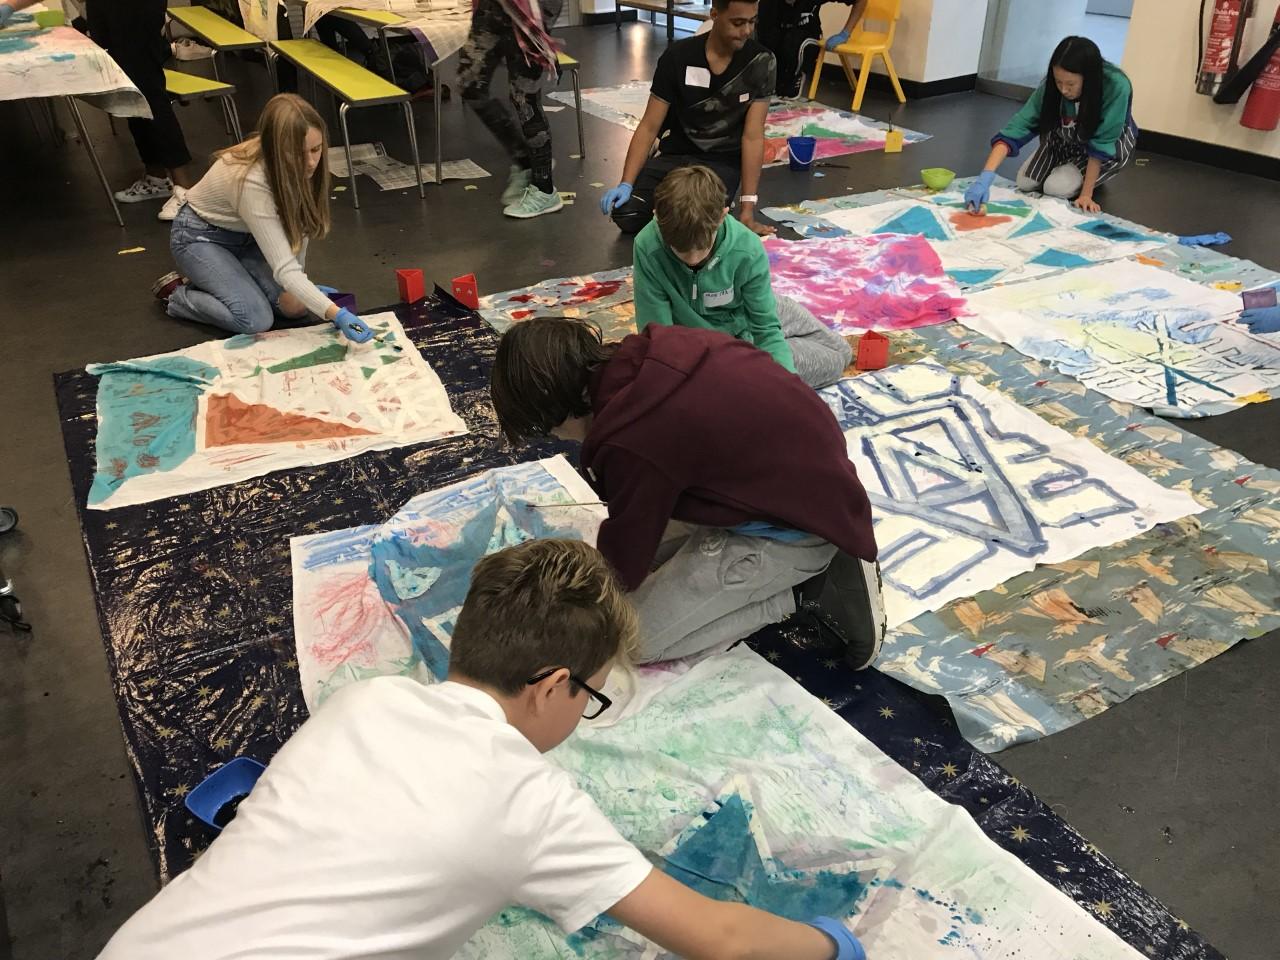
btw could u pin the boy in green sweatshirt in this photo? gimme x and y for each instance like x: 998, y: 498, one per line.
x: 697, y: 267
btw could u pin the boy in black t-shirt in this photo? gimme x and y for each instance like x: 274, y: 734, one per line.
x: 707, y: 106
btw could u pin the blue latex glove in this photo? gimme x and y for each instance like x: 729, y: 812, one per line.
x: 836, y: 39
x: 327, y: 291
x: 352, y: 327
x: 847, y: 945
x: 6, y: 14
x: 1205, y: 239
x: 615, y: 198
x: 1262, y: 319
x: 979, y: 191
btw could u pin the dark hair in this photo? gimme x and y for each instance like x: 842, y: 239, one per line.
x: 1076, y: 55
x: 689, y: 206
x: 723, y: 5
x: 540, y: 374
x: 539, y: 604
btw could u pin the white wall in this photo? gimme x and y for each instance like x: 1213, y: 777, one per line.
x: 936, y: 39
x: 1161, y: 60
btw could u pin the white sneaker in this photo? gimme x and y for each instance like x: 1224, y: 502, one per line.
x: 173, y: 204
x: 184, y: 48
x: 147, y: 188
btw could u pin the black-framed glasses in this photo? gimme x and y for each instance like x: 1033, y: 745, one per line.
x: 596, y: 705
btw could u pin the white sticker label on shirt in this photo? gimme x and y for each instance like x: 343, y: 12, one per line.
x: 743, y: 98
x: 721, y: 299
x: 697, y: 77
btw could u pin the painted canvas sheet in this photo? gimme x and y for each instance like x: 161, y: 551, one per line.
x: 838, y: 132
x: 968, y: 489
x: 1056, y: 645
x: 439, y: 26
x: 226, y: 410
x: 60, y: 62
x: 374, y: 598
x: 607, y: 299
x: 259, y: 18
x: 865, y: 283
x: 1138, y: 334
x: 733, y: 758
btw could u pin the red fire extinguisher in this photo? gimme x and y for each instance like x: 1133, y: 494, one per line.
x: 1222, y: 52
x: 1262, y: 109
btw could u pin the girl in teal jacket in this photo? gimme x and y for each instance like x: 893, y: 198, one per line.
x: 1082, y: 112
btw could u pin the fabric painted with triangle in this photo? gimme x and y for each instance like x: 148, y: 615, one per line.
x: 1037, y: 224
x: 229, y: 421
x: 916, y: 220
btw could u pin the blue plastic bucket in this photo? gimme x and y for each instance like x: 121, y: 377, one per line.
x: 802, y: 150
x: 225, y: 787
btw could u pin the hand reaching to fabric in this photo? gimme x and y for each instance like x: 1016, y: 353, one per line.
x: 1262, y: 319
x: 759, y: 229
x: 615, y: 198
x: 836, y: 39
x: 1087, y: 204
x: 352, y: 327
x: 979, y: 191
x: 847, y: 945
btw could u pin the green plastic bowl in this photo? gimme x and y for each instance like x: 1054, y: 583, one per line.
x: 937, y: 178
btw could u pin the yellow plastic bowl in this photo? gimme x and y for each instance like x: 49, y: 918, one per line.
x: 937, y: 178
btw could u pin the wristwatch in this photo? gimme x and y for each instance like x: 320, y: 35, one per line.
x: 748, y: 198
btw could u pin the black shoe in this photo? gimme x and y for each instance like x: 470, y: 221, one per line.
x: 847, y: 599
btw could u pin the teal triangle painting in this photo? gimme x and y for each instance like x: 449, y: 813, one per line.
x: 1037, y: 224
x: 1060, y: 258
x: 973, y: 278
x: 916, y: 220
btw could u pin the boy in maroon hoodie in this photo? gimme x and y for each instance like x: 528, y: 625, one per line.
x: 690, y: 425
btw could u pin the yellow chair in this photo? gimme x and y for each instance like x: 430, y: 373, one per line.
x: 868, y: 44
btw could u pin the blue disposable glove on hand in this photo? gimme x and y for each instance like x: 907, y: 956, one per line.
x: 327, y: 291
x: 847, y: 945
x: 836, y: 39
x: 6, y: 14
x: 979, y: 190
x: 352, y: 327
x: 615, y: 198
x: 1262, y: 319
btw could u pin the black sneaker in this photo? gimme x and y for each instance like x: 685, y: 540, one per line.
x: 849, y: 596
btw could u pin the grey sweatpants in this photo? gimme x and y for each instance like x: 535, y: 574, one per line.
x: 714, y: 586
x: 820, y: 354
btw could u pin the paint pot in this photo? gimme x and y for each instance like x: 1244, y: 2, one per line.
x: 215, y: 799
x: 49, y: 18
x: 344, y: 301
x: 802, y: 151
x: 873, y: 351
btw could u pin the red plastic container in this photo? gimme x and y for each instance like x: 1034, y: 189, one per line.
x: 873, y: 351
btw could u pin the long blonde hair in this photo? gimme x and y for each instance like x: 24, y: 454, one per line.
x: 302, y: 201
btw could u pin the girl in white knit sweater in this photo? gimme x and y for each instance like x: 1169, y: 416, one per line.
x: 240, y: 239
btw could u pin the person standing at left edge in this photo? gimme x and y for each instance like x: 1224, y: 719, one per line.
x: 514, y: 33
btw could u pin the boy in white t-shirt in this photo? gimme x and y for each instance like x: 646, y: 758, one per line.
x: 401, y: 817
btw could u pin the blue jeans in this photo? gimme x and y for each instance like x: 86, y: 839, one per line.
x: 231, y: 284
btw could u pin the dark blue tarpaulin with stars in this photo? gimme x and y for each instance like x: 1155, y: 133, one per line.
x: 194, y: 601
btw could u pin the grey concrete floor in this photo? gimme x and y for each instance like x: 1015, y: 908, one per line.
x: 1194, y: 755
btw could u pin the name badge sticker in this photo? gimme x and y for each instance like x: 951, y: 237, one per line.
x: 697, y: 77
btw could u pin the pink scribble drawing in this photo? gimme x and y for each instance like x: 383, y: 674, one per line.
x: 348, y: 615
x: 878, y: 282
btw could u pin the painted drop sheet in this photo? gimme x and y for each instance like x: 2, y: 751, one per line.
x: 838, y: 133
x: 227, y: 410
x: 968, y: 489
x: 379, y: 598
x: 865, y: 283
x: 61, y: 62
x: 607, y: 299
x: 1018, y: 238
x: 1138, y: 334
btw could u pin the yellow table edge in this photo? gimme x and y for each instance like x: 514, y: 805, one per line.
x: 182, y: 84
x: 210, y: 28
x: 349, y: 80
x: 377, y: 18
